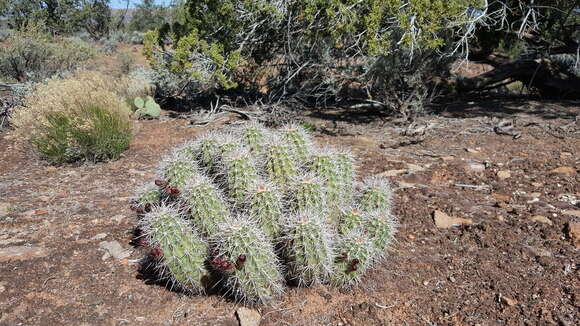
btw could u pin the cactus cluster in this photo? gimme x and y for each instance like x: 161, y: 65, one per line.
x: 250, y: 210
x: 146, y: 107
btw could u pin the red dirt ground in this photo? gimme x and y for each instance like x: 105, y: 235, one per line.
x: 508, y: 267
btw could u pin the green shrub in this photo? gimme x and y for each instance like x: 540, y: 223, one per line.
x: 75, y: 119
x: 31, y: 55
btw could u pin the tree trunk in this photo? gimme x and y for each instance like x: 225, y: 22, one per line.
x: 540, y: 74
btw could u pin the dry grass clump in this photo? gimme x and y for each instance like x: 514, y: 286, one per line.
x: 79, y: 118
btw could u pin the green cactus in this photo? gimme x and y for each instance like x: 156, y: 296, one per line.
x: 376, y: 195
x: 353, y: 255
x: 254, y: 136
x: 298, y: 139
x: 181, y: 253
x: 307, y: 193
x: 262, y: 198
x: 379, y: 228
x: 177, y: 169
x: 308, y: 249
x: 345, y: 170
x: 265, y: 208
x: 351, y: 219
x: 280, y: 165
x: 205, y: 205
x: 246, y: 259
x: 240, y: 174
x: 148, y: 195
x: 146, y: 107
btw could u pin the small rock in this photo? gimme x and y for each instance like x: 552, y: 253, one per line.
x: 503, y: 174
x: 415, y: 168
x: 115, y: 249
x: 4, y: 209
x: 571, y: 212
x: 539, y: 252
x: 447, y: 158
x: 564, y: 170
x: 574, y: 233
x: 506, y: 300
x: 472, y: 150
x: 118, y: 218
x: 140, y: 319
x: 40, y: 212
x: 541, y: 219
x: 99, y: 236
x: 2, y: 287
x: 248, y: 317
x: 500, y: 197
x: 443, y: 220
x: 537, y: 184
x: 476, y: 167
x: 21, y: 253
x: 565, y: 154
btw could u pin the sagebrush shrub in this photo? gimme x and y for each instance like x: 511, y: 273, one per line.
x: 72, y: 119
x: 31, y: 55
x: 249, y: 210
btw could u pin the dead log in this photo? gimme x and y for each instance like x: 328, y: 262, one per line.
x: 540, y: 74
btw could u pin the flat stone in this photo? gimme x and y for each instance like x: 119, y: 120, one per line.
x: 115, y: 249
x: 541, y: 219
x: 248, y: 317
x: 22, y: 253
x: 99, y: 236
x: 571, y: 212
x: 4, y: 209
x: 445, y: 221
x: 503, y: 174
x: 475, y: 167
x: 567, y: 170
x: 392, y: 173
x: 574, y: 233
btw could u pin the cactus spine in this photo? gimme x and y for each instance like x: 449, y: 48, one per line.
x: 345, y: 170
x: 177, y: 170
x: 350, y: 220
x: 280, y: 166
x: 206, y: 206
x: 247, y: 260
x: 308, y: 194
x: 354, y: 253
x: 308, y: 249
x: 379, y: 228
x: 240, y: 174
x: 184, y: 252
x: 376, y: 195
x: 298, y: 140
x: 265, y: 207
x: 254, y: 136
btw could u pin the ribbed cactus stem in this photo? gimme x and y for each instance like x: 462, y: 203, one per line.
x: 379, y: 227
x: 246, y: 259
x: 177, y: 169
x: 376, y: 195
x: 351, y: 219
x: 280, y: 166
x: 307, y: 194
x: 308, y: 249
x: 298, y: 139
x: 353, y: 255
x: 180, y: 252
x: 147, y: 196
x: 325, y: 167
x: 239, y: 173
x: 265, y: 208
x: 254, y: 136
x: 345, y: 169
x: 205, y: 205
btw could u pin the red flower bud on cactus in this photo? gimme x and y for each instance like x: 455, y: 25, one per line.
x: 241, y: 260
x: 156, y: 253
x: 353, y: 268
x: 160, y: 183
x: 175, y: 191
x: 143, y: 243
x: 355, y: 261
x: 343, y: 256
x: 147, y: 207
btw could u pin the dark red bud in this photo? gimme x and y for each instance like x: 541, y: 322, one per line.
x: 160, y: 183
x: 241, y: 260
x: 353, y: 268
x: 172, y: 191
x: 355, y: 261
x: 143, y: 243
x: 147, y: 207
x: 156, y: 252
x: 139, y: 211
x: 343, y: 256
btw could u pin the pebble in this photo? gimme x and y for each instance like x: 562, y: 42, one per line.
x: 574, y: 233
x: 248, y: 317
x: 503, y: 174
x: 443, y: 220
x: 567, y: 170
x: 477, y: 167
x: 541, y: 219
x: 114, y: 249
x: 4, y: 209
x: 99, y: 236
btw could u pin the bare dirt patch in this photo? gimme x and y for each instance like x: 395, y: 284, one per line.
x: 514, y: 264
